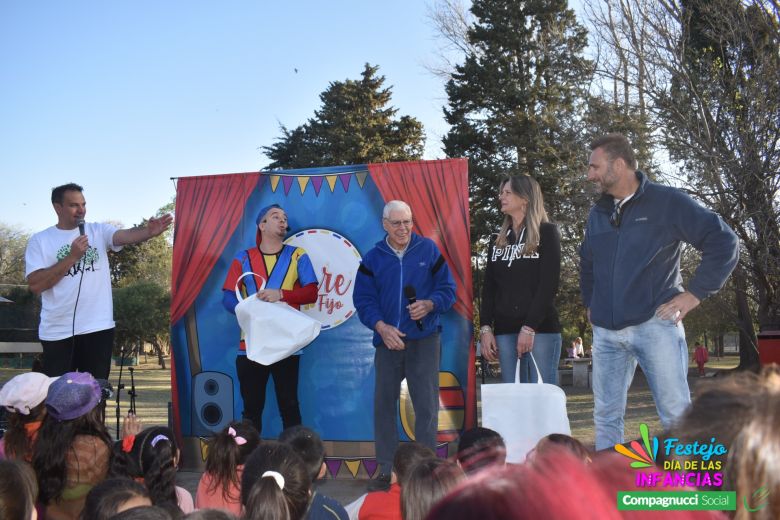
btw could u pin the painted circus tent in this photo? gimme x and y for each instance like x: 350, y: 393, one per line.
x: 335, y: 214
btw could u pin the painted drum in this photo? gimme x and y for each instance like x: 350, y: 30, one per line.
x: 451, y: 408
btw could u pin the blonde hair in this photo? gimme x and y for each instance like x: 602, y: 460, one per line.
x: 526, y: 187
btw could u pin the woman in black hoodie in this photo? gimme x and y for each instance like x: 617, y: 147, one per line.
x: 518, y: 313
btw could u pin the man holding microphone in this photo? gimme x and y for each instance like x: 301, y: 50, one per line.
x: 402, y: 286
x: 67, y: 265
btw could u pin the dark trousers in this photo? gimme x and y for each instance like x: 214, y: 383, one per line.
x: 253, y: 378
x: 419, y: 364
x: 84, y: 353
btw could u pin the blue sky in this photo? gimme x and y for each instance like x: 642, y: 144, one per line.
x: 121, y: 96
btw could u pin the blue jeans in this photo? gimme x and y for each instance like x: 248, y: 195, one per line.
x: 660, y: 349
x: 419, y: 364
x: 546, y: 351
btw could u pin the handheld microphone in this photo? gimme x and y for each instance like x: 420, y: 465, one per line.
x: 411, y: 296
x: 81, y: 226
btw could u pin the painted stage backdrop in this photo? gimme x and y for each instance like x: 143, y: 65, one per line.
x: 335, y: 214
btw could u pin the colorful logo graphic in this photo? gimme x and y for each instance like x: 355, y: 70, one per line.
x: 87, y: 262
x: 685, y: 464
x: 697, y: 464
x: 761, y: 498
x: 643, y: 456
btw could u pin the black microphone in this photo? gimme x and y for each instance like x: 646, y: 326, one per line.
x: 81, y: 226
x: 411, y: 295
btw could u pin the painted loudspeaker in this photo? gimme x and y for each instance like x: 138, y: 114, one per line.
x: 212, y: 402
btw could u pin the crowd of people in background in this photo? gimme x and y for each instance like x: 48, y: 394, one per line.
x: 59, y: 462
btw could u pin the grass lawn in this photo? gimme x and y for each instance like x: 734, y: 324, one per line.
x: 153, y: 390
x: 152, y: 386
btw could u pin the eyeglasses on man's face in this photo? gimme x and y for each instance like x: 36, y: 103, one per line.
x: 398, y: 223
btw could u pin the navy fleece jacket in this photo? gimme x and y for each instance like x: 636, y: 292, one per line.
x: 626, y: 272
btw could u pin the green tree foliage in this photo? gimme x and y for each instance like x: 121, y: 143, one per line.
x: 12, y: 246
x: 707, y: 71
x: 354, y: 125
x: 149, y: 261
x: 21, y: 315
x: 141, y: 277
x: 142, y: 314
x: 716, y: 315
x: 729, y: 146
x: 606, y: 114
x: 516, y: 106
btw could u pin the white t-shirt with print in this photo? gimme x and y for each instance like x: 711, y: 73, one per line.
x: 95, y: 310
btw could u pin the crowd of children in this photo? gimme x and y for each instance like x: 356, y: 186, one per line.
x: 57, y: 461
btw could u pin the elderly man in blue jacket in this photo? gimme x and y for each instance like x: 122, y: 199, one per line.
x: 631, y: 284
x: 406, y: 335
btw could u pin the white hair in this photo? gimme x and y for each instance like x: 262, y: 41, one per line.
x: 395, y: 205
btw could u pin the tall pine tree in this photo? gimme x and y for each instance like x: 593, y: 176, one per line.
x: 516, y: 106
x: 354, y: 125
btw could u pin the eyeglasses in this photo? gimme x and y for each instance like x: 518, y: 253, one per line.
x: 398, y: 223
x: 616, y: 216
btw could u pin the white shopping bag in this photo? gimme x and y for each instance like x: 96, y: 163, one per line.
x: 272, y: 331
x: 523, y: 413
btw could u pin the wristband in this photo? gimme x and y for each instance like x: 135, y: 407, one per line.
x: 484, y: 329
x: 527, y: 331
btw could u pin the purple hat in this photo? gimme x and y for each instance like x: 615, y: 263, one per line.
x: 24, y: 392
x: 72, y: 395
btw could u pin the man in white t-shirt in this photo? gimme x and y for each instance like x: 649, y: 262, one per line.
x: 67, y: 265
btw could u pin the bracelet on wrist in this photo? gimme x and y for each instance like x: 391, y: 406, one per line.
x: 485, y: 329
x: 527, y: 331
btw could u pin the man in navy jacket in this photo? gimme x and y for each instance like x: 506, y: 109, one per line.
x: 406, y: 336
x: 631, y: 284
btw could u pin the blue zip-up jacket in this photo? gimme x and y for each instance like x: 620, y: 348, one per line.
x: 380, y: 282
x: 627, y: 272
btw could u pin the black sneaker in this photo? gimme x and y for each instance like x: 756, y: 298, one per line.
x: 380, y: 483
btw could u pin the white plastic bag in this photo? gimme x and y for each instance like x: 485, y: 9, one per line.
x: 272, y: 331
x: 523, y: 413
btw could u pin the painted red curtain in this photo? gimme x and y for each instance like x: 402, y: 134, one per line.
x: 438, y: 193
x: 208, y: 210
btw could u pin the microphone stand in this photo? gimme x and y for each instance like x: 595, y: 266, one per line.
x: 131, y: 393
x: 119, y: 387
